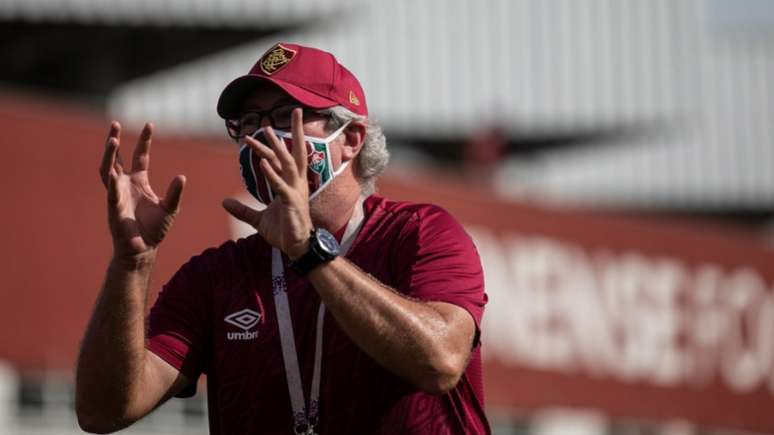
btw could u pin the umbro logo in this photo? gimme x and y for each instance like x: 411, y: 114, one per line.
x: 245, y: 320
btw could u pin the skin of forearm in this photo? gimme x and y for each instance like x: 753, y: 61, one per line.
x: 111, y: 360
x: 411, y: 338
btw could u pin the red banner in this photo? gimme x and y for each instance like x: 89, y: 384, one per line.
x: 636, y: 317
x: 640, y: 318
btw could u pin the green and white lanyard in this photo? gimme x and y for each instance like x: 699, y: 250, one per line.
x: 304, y: 419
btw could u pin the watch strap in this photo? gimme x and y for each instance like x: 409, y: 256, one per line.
x: 314, y: 257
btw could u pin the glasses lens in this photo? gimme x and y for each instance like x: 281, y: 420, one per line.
x: 249, y: 123
x: 232, y: 127
x: 281, y: 116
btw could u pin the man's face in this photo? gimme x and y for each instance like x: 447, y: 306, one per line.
x: 266, y: 98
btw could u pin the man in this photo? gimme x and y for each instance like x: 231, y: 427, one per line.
x: 346, y: 313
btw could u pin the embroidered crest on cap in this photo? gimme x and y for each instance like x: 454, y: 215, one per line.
x: 353, y: 98
x: 276, y: 58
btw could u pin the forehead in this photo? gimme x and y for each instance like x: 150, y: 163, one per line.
x: 265, y: 97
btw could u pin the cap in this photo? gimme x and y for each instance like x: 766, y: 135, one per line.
x: 312, y: 77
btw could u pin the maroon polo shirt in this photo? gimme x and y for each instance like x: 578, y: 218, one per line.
x: 419, y: 250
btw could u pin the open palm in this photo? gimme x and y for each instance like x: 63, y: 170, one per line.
x: 138, y: 218
x: 285, y: 223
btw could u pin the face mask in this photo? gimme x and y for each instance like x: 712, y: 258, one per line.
x: 320, y: 171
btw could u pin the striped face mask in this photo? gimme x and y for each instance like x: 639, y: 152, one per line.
x: 320, y: 171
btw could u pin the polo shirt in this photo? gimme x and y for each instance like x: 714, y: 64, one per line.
x: 217, y: 317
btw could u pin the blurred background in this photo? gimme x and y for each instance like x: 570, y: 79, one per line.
x: 612, y: 159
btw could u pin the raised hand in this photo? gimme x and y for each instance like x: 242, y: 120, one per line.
x: 138, y: 219
x: 285, y: 223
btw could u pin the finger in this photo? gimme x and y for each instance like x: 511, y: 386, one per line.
x: 171, y: 201
x: 108, y: 160
x: 299, y: 151
x: 264, y: 152
x: 118, y: 163
x: 141, y: 155
x: 281, y: 150
x: 111, y: 148
x: 275, y: 181
x: 112, y: 188
x: 242, y: 212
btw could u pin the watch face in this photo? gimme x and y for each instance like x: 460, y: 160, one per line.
x: 327, y: 242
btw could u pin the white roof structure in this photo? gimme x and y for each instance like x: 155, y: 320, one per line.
x: 444, y: 68
x: 179, y: 13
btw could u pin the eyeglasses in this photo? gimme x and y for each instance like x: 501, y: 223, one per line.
x: 279, y: 117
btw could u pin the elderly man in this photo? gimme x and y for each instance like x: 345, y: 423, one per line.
x: 346, y: 313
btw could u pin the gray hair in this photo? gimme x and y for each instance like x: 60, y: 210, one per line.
x: 373, y: 156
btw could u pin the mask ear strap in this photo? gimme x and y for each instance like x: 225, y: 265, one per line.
x: 341, y: 168
x: 342, y: 165
x: 338, y: 132
x: 328, y: 139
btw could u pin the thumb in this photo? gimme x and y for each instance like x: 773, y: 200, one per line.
x: 171, y: 200
x: 242, y: 212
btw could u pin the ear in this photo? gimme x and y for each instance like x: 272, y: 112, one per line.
x: 354, y: 136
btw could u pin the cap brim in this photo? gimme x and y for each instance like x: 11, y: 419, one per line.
x: 233, y: 96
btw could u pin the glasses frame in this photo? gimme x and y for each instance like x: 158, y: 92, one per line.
x: 234, y: 124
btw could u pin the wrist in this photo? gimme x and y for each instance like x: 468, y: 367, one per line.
x: 321, y: 247
x: 298, y: 251
x: 134, y: 261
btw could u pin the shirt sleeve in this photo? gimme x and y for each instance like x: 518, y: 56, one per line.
x: 437, y: 261
x: 178, y: 321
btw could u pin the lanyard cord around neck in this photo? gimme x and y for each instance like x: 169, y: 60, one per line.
x: 304, y: 420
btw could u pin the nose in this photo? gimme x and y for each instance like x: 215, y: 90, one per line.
x: 265, y: 121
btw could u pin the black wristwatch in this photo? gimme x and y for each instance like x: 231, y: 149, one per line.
x: 323, y: 247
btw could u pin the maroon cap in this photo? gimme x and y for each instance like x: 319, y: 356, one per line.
x: 313, y: 77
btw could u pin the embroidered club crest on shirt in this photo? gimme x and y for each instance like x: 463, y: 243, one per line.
x: 276, y: 58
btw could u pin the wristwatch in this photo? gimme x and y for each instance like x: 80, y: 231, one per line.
x: 323, y: 247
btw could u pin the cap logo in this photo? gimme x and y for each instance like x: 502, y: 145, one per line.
x: 353, y: 98
x: 276, y: 58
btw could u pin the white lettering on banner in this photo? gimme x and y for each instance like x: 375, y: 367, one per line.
x: 556, y: 306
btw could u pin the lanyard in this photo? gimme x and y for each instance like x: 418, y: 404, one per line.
x: 304, y: 420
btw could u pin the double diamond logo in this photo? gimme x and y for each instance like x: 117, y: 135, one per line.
x: 244, y: 319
